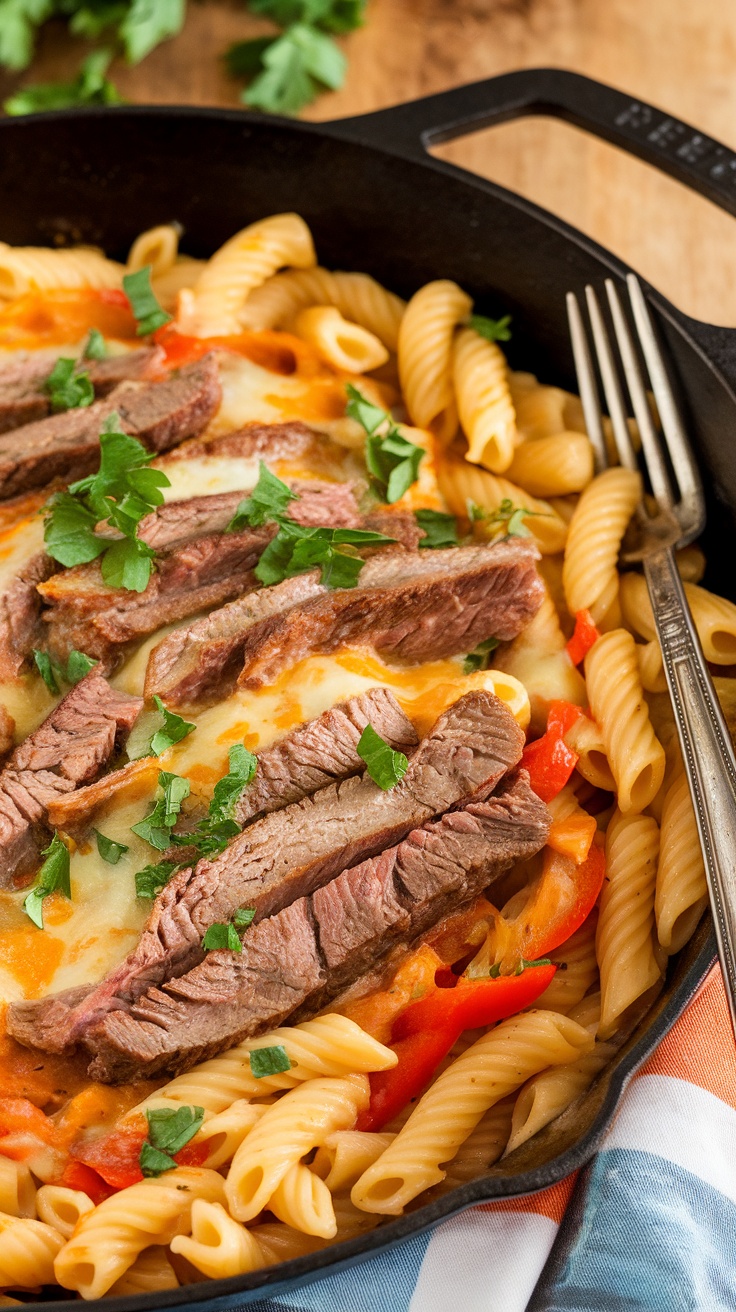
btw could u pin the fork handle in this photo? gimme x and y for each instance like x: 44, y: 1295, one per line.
x: 707, y: 751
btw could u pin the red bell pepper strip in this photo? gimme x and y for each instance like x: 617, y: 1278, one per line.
x: 114, y: 1156
x: 584, y: 637
x: 78, y: 1176
x: 425, y: 1032
x: 549, y: 760
x: 562, y: 899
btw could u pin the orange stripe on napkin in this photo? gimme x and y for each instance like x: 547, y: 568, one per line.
x: 700, y: 1047
x: 550, y: 1202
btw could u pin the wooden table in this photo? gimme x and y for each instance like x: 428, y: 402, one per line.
x: 678, y: 54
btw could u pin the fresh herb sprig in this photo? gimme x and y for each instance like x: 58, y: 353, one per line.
x: 89, y: 87
x: 509, y: 518
x: 169, y: 1130
x: 109, y: 850
x: 213, y: 833
x: 147, y: 312
x: 440, y: 530
x: 151, y: 879
x: 138, y: 25
x: 384, y: 765
x: 121, y: 493
x: 68, y: 386
x: 225, y: 937
x: 393, y: 461
x: 52, y: 877
x: 269, y: 1061
x: 494, y: 330
x: 156, y: 827
x: 53, y: 673
x: 480, y: 658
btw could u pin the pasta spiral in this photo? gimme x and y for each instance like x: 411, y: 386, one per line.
x: 108, y: 1240
x: 244, y: 262
x: 682, y: 891
x: 62, y: 1208
x: 291, y: 1128
x: 624, y: 939
x: 17, y: 1190
x: 357, y: 296
x: 27, y: 1252
x: 342, y: 344
x: 460, y: 482
x: 553, y: 466
x: 218, y: 1246
x: 34, y: 268
x: 151, y: 1273
x: 425, y: 355
x: 715, y: 617
x: 303, y: 1201
x: 480, y: 376
x: 589, y: 576
x: 635, y: 755
x: 451, y: 1108
x: 157, y: 247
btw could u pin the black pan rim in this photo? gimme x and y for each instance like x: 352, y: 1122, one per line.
x: 224, y: 1293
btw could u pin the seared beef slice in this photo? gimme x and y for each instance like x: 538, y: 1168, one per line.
x: 294, y: 962
x: 305, y: 760
x: 291, y: 852
x: 23, y: 395
x: 69, y: 748
x: 67, y: 445
x: 416, y: 605
x: 199, y: 565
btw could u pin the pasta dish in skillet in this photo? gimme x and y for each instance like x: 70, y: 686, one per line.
x: 344, y: 834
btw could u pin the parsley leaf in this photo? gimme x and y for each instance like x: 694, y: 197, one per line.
x: 53, y: 875
x: 268, y: 500
x: 146, y: 309
x: 147, y: 23
x: 475, y: 512
x: 440, y: 530
x: 219, y: 937
x: 53, y: 673
x: 494, y: 330
x: 392, y: 460
x: 68, y: 387
x: 18, y: 20
x: 296, y: 549
x: 479, y: 659
x: 151, y: 879
x: 173, y: 729
x: 89, y: 87
x: 156, y: 827
x: 511, y: 519
x: 269, y: 1061
x: 296, y: 66
x: 169, y: 1129
x: 96, y: 347
x: 227, y: 791
x: 331, y: 15
x: 109, y: 850
x: 122, y: 492
x: 384, y: 765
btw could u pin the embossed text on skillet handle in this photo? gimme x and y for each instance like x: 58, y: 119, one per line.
x: 707, y: 751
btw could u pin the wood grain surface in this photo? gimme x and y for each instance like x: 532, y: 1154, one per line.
x: 678, y: 54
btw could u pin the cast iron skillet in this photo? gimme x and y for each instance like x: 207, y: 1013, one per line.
x: 376, y: 201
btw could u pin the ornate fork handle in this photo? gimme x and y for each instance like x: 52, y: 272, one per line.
x: 707, y: 752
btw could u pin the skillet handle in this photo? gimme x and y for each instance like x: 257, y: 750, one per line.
x: 651, y: 134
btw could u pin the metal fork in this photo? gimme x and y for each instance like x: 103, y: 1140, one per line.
x: 680, y: 517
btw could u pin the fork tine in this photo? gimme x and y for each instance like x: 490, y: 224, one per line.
x: 587, y: 383
x: 656, y: 465
x: 611, y: 385
x: 689, y: 511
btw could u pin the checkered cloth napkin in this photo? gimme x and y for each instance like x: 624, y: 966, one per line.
x: 649, y: 1226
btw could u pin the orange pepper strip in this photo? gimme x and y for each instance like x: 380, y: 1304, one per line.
x: 584, y: 637
x: 572, y: 837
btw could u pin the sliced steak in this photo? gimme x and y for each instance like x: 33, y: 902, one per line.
x: 72, y: 745
x: 294, y: 962
x: 291, y: 441
x: 418, y: 606
x: 291, y: 852
x: 23, y: 395
x: 67, y: 445
x: 199, y: 565
x: 20, y: 614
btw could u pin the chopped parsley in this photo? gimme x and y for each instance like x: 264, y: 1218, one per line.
x: 224, y: 937
x: 213, y: 833
x: 52, y: 877
x: 384, y: 765
x: 147, y: 312
x: 173, y: 729
x: 122, y: 492
x: 479, y: 659
x: 53, y: 672
x: 151, y: 879
x: 109, y: 850
x: 393, y: 461
x: 96, y: 347
x: 68, y: 386
x: 268, y: 500
x: 440, y: 530
x: 169, y: 1129
x: 297, y: 549
x: 89, y: 87
x: 269, y: 1061
x: 510, y: 519
x: 494, y: 330
x: 156, y: 827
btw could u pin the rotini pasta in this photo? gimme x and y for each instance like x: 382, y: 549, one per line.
x: 715, y: 617
x: 681, y: 890
x: 34, y: 268
x: 577, y: 970
x: 624, y: 939
x: 17, y: 1190
x: 156, y: 247
x: 634, y: 753
x: 480, y: 377
x: 449, y: 1111
x: 62, y: 1208
x: 553, y: 466
x: 339, y: 342
x: 296, y: 1124
x: 151, y: 1273
x: 108, y: 1240
x: 27, y: 1252
x: 243, y: 263
x: 597, y: 528
x: 218, y: 1246
x: 357, y: 296
x: 303, y: 1201
x: 461, y: 483
x: 222, y: 1134
x: 425, y: 355
x: 347, y: 1154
